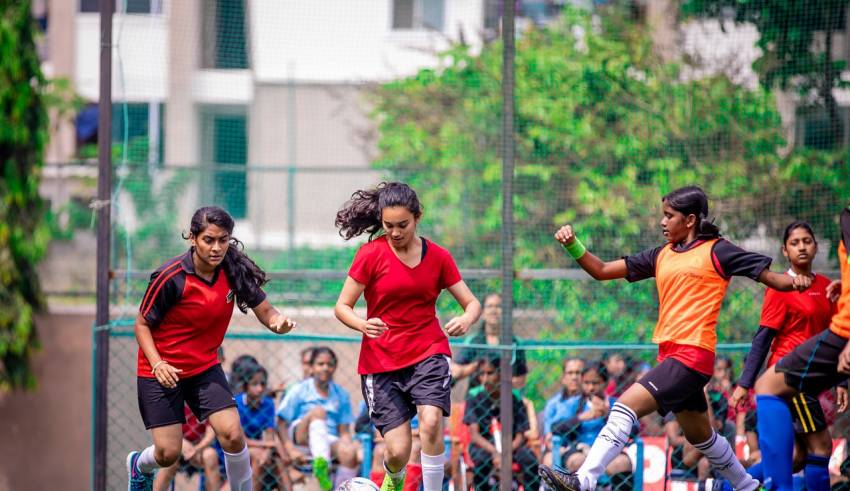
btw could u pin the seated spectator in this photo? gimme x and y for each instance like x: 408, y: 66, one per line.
x: 556, y: 407
x: 197, y: 455
x: 465, y: 364
x: 236, y: 376
x: 586, y: 415
x: 483, y: 418
x: 621, y: 373
x: 316, y: 414
x: 257, y: 416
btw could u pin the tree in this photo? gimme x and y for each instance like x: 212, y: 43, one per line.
x: 23, y: 235
x: 797, y: 47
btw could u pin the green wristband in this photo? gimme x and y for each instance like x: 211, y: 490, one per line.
x: 576, y: 249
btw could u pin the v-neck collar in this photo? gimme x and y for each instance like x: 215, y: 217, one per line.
x: 188, y: 265
x: 393, y: 252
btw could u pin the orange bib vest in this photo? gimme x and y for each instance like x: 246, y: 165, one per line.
x: 690, y: 293
x: 841, y: 320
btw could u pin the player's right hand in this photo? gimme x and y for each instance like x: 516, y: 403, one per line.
x: 739, y: 395
x: 167, y: 375
x: 565, y: 235
x: 374, y: 327
x: 802, y: 282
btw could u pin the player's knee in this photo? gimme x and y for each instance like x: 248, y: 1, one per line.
x: 230, y: 438
x: 166, y: 457
x: 430, y: 426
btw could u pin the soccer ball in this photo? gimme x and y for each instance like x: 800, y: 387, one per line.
x: 358, y: 484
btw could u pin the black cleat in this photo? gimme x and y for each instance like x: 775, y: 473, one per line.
x: 558, y: 480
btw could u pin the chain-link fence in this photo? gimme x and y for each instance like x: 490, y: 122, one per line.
x: 279, y: 111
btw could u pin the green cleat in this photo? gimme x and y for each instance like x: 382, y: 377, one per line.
x: 322, y: 473
x: 391, y: 484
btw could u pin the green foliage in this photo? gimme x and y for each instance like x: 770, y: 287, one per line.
x: 796, y: 44
x: 604, y: 129
x: 23, y: 235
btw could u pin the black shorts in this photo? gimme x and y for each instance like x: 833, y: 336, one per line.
x: 204, y: 393
x: 392, y: 397
x: 676, y: 387
x: 813, y: 366
x: 808, y: 414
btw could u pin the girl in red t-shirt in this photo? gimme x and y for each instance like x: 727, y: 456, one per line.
x: 692, y: 271
x: 788, y: 319
x: 181, y: 324
x: 404, y: 356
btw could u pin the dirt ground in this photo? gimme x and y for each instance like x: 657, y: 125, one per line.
x: 45, y: 434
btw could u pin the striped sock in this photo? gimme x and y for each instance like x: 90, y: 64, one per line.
x: 721, y: 456
x: 609, y: 443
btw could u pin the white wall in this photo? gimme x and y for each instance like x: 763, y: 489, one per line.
x: 139, y: 59
x: 348, y: 41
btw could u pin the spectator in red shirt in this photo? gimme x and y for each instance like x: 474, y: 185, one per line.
x: 181, y: 324
x: 404, y: 356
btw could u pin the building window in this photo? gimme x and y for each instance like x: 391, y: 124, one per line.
x: 125, y: 6
x: 224, y: 35
x: 418, y: 14
x: 142, y: 124
x: 225, y: 149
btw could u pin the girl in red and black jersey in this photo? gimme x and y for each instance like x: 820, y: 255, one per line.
x: 692, y: 271
x: 181, y: 324
x: 404, y: 356
x: 788, y: 319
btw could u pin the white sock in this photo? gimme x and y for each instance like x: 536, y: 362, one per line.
x: 609, y: 443
x: 146, y: 463
x: 721, y: 456
x: 317, y: 433
x: 238, y: 468
x: 395, y: 476
x: 343, y: 474
x: 432, y: 471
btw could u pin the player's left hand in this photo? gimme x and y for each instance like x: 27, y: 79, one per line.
x: 833, y: 291
x: 281, y: 324
x: 840, y: 399
x: 458, y: 326
x: 802, y: 282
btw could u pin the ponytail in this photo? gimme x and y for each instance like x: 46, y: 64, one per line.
x: 243, y: 274
x: 691, y: 200
x: 362, y: 213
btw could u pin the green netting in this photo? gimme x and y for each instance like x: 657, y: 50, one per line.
x: 279, y: 111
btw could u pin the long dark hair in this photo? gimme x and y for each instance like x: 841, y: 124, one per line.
x: 362, y: 213
x: 691, y: 200
x: 243, y: 274
x: 794, y: 226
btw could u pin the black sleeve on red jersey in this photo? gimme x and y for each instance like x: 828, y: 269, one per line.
x: 255, y: 297
x: 164, y: 291
x: 845, y: 227
x: 755, y: 358
x: 730, y: 260
x: 641, y: 266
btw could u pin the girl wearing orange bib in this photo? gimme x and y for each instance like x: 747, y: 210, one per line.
x: 692, y: 272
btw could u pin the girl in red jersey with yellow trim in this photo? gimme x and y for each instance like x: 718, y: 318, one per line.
x: 818, y: 364
x: 404, y: 356
x: 788, y: 319
x: 181, y: 324
x: 692, y: 272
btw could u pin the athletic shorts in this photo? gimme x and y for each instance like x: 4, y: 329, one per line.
x: 812, y: 367
x: 392, y: 397
x: 808, y: 414
x: 676, y: 387
x: 204, y: 393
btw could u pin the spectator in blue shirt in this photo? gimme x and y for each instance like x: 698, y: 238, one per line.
x: 257, y: 417
x: 583, y: 418
x: 556, y: 407
x: 316, y: 413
